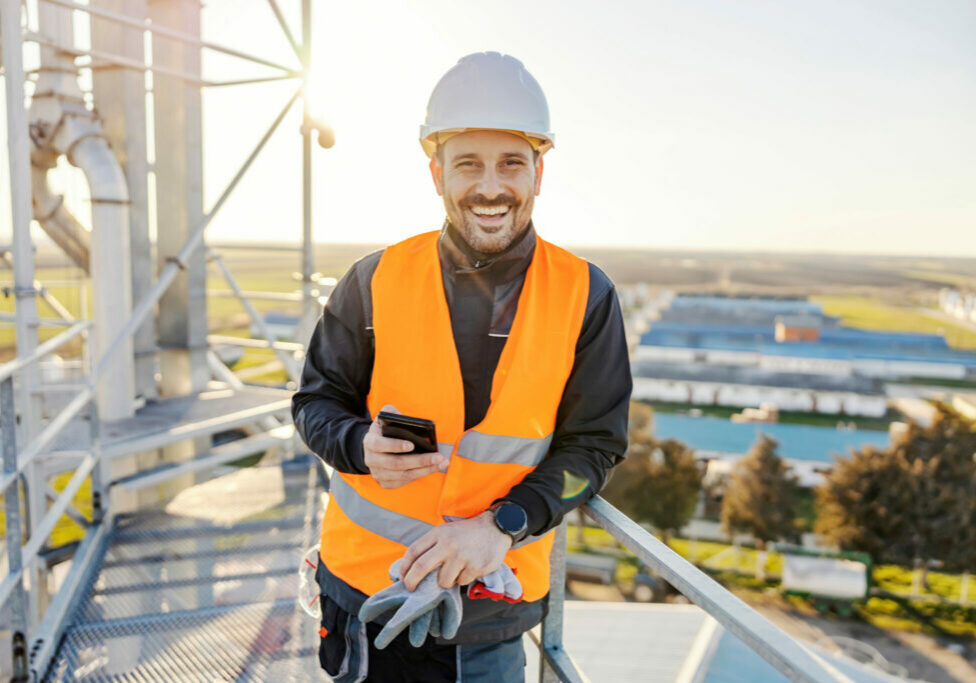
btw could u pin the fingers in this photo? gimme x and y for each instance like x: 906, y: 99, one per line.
x: 450, y: 571
x: 401, y: 463
x: 376, y: 442
x: 425, y: 564
x: 416, y: 549
x: 467, y: 576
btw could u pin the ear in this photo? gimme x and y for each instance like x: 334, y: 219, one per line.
x: 538, y: 176
x: 435, y: 174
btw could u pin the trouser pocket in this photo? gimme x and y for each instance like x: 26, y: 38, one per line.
x: 343, y: 652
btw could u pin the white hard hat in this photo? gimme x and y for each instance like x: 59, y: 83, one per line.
x: 487, y: 90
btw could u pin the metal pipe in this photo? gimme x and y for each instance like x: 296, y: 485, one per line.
x: 217, y: 456
x: 18, y: 150
x: 49, y: 298
x: 286, y: 360
x: 39, y: 322
x: 284, y: 28
x: 46, y: 525
x: 10, y: 367
x: 14, y: 586
x: 111, y: 271
x: 249, y: 81
x: 309, y: 307
x: 768, y: 641
x: 157, y: 30
x: 254, y: 343
x: 52, y: 215
x: 117, y: 60
x: 260, y: 296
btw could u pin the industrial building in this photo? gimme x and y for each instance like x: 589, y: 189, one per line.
x: 739, y: 351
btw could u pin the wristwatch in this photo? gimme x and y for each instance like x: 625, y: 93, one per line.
x: 510, y: 519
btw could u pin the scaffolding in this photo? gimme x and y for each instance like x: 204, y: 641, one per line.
x: 144, y: 581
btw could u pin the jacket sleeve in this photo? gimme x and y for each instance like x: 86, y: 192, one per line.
x: 591, y: 422
x: 329, y: 410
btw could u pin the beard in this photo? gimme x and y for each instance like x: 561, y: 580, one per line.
x: 489, y: 239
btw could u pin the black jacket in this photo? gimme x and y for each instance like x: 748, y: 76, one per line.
x: 482, y: 293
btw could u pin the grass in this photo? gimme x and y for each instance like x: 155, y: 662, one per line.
x: 894, y: 607
x: 785, y: 416
x: 954, y: 279
x: 871, y: 314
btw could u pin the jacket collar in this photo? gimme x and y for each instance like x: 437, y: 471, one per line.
x: 461, y: 257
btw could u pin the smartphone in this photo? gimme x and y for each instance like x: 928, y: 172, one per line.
x: 416, y: 430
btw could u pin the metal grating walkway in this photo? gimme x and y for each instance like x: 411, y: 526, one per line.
x: 185, y: 592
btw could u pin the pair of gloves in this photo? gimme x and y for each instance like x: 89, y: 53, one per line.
x: 430, y: 609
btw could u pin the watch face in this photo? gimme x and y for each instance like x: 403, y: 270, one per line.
x: 511, y: 518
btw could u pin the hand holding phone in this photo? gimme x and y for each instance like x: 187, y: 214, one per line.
x: 418, y: 431
x: 394, y: 462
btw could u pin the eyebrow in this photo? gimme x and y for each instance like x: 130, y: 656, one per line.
x: 506, y: 155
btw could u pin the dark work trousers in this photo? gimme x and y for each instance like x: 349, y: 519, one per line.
x: 347, y: 654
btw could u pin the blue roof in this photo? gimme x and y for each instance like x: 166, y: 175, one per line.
x: 780, y: 306
x: 797, y: 442
x: 834, y: 343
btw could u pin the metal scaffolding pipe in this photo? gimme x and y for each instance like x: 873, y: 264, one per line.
x: 52, y: 215
x: 111, y: 270
x: 157, y: 30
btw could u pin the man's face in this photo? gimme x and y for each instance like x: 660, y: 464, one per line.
x: 489, y: 180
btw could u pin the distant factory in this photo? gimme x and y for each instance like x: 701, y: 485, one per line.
x: 746, y: 351
x: 961, y: 305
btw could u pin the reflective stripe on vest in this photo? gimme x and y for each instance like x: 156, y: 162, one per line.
x: 378, y: 520
x: 416, y: 370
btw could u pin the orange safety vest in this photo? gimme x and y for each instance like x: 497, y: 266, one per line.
x: 366, y: 527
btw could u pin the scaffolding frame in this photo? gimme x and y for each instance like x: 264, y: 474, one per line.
x: 36, y: 635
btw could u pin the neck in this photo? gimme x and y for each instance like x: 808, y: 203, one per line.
x: 482, y: 258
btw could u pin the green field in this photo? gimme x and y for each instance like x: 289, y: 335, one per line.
x: 872, y: 314
x: 934, y: 610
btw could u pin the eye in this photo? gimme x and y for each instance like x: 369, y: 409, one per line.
x: 464, y: 164
x: 514, y: 162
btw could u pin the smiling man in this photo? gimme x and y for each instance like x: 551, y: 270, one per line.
x: 433, y: 565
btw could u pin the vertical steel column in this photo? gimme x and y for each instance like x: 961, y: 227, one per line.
x: 182, y: 318
x: 16, y: 605
x: 309, y: 301
x: 552, y: 625
x: 18, y: 149
x: 182, y: 322
x: 120, y: 98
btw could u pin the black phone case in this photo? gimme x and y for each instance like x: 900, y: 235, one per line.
x: 418, y: 431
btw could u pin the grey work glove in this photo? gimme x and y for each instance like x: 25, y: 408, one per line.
x: 428, y: 609
x: 501, y: 584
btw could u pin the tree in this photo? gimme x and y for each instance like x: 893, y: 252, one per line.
x: 761, y: 496
x: 659, y: 481
x: 911, y: 502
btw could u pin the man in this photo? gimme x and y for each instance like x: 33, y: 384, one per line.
x: 515, y: 349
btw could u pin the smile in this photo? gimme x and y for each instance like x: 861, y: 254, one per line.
x: 490, y: 210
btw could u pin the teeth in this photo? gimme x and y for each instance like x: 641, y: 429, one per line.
x: 489, y: 210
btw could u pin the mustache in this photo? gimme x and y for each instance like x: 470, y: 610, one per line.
x: 481, y: 200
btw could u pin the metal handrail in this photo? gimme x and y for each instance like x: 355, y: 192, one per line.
x: 768, y: 641
x: 10, y: 368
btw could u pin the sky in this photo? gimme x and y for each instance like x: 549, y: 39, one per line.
x: 835, y: 125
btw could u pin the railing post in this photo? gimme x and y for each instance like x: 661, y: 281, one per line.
x: 552, y: 625
x: 100, y: 476
x: 17, y: 602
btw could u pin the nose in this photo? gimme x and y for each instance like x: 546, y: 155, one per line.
x: 490, y: 184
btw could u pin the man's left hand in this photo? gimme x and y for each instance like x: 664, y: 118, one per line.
x: 465, y: 551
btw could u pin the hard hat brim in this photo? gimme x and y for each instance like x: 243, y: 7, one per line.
x: 431, y: 139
